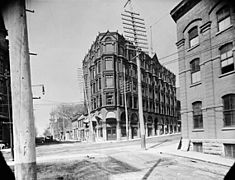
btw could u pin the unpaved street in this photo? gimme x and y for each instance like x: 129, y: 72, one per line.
x: 124, y: 160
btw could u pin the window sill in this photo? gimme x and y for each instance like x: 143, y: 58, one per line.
x: 195, y: 84
x: 198, y: 130
x: 228, y: 128
x: 226, y: 74
x: 224, y: 30
x: 191, y: 48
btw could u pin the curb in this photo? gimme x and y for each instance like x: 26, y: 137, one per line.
x: 198, y: 159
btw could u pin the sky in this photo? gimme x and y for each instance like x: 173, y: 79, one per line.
x: 61, y: 33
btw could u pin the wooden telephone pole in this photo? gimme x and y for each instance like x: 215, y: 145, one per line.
x: 134, y: 29
x: 14, y: 15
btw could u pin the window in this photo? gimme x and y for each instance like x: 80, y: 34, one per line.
x: 134, y: 86
x: 135, y: 102
x: 223, y: 18
x: 96, y: 85
x: 108, y: 64
x: 197, y: 146
x: 120, y: 100
x: 193, y: 37
x: 195, y: 70
x: 100, y: 100
x: 98, y: 67
x: 109, y: 98
x: 109, y: 81
x: 93, y: 86
x: 92, y: 73
x: 226, y: 56
x: 1, y: 67
x: 197, y: 115
x: 99, y: 83
x: 94, y: 103
x: 229, y: 110
x: 109, y: 48
x: 121, y: 50
x: 229, y: 150
x: 120, y: 66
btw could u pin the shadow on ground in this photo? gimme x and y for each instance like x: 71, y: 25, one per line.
x: 90, y: 168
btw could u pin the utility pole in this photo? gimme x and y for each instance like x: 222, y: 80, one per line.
x: 14, y: 16
x: 125, y: 102
x: 91, y: 131
x: 7, y: 77
x: 134, y: 29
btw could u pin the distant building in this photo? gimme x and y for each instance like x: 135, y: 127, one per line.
x: 109, y: 65
x: 5, y: 90
x: 80, y: 128
x: 206, y: 50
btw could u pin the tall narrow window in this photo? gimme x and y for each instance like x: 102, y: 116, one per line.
x: 197, y: 115
x: 195, y: 70
x: 193, y: 37
x: 100, y: 100
x: 226, y: 56
x: 108, y: 64
x: 99, y: 83
x: 120, y: 68
x: 223, y: 18
x: 229, y: 110
x: 109, y: 47
x: 98, y: 67
x: 109, y: 81
x: 109, y: 98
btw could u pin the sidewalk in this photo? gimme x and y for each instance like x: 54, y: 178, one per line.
x: 172, y: 150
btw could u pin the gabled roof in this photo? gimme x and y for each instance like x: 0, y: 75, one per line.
x: 108, y: 33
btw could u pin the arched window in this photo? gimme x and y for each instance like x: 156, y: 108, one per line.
x: 193, y: 37
x: 229, y: 109
x: 223, y: 18
x: 197, y: 115
x: 226, y: 56
x: 108, y: 39
x: 195, y: 70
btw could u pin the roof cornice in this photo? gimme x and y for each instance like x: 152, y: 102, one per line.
x: 182, y: 8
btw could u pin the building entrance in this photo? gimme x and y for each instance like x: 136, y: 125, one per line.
x: 111, y: 133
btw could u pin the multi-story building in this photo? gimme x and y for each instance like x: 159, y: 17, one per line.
x: 205, y: 42
x: 5, y: 92
x: 80, y: 128
x: 109, y: 66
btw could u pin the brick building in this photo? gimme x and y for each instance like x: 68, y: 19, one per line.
x: 5, y: 92
x: 205, y: 42
x: 109, y: 65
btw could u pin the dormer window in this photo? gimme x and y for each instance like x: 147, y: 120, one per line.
x: 193, y: 37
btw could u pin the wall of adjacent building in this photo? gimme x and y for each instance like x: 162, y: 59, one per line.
x: 213, y: 85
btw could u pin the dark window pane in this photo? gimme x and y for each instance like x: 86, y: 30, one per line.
x: 229, y: 111
x: 193, y: 33
x: 223, y: 13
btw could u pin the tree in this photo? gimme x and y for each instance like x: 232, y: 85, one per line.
x: 47, y: 132
x: 63, y: 115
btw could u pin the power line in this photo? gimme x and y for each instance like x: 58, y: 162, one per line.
x: 198, y: 52
x: 176, y: 52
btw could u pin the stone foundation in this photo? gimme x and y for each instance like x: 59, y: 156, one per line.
x: 211, y: 146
